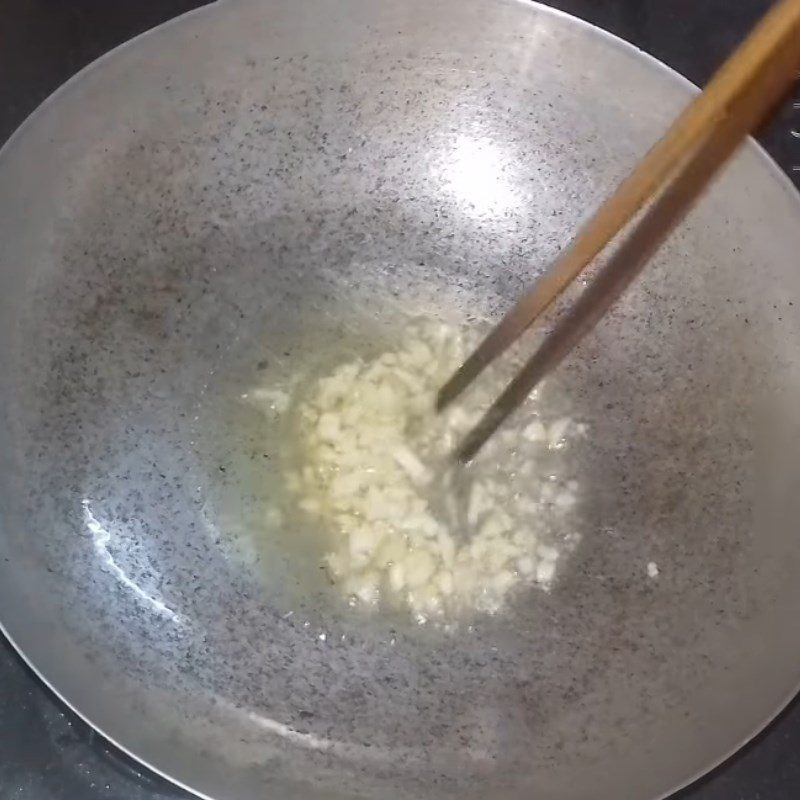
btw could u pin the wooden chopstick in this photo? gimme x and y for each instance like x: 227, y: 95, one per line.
x: 753, y: 62
x: 747, y: 88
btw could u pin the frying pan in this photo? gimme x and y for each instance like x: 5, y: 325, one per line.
x: 222, y: 202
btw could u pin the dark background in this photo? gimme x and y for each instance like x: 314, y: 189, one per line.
x: 46, y: 752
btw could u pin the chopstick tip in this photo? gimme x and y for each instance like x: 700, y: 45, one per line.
x: 447, y: 393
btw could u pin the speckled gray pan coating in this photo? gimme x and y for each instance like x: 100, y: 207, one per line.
x: 205, y: 209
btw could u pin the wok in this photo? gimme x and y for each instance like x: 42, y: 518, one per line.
x: 213, y: 206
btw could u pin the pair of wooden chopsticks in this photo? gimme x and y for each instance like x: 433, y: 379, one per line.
x: 668, y: 180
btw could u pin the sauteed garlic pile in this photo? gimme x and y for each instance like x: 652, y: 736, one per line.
x: 405, y: 524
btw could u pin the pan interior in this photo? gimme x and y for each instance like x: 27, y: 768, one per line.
x: 258, y: 188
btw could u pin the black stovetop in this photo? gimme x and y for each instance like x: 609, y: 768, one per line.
x: 46, y: 752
